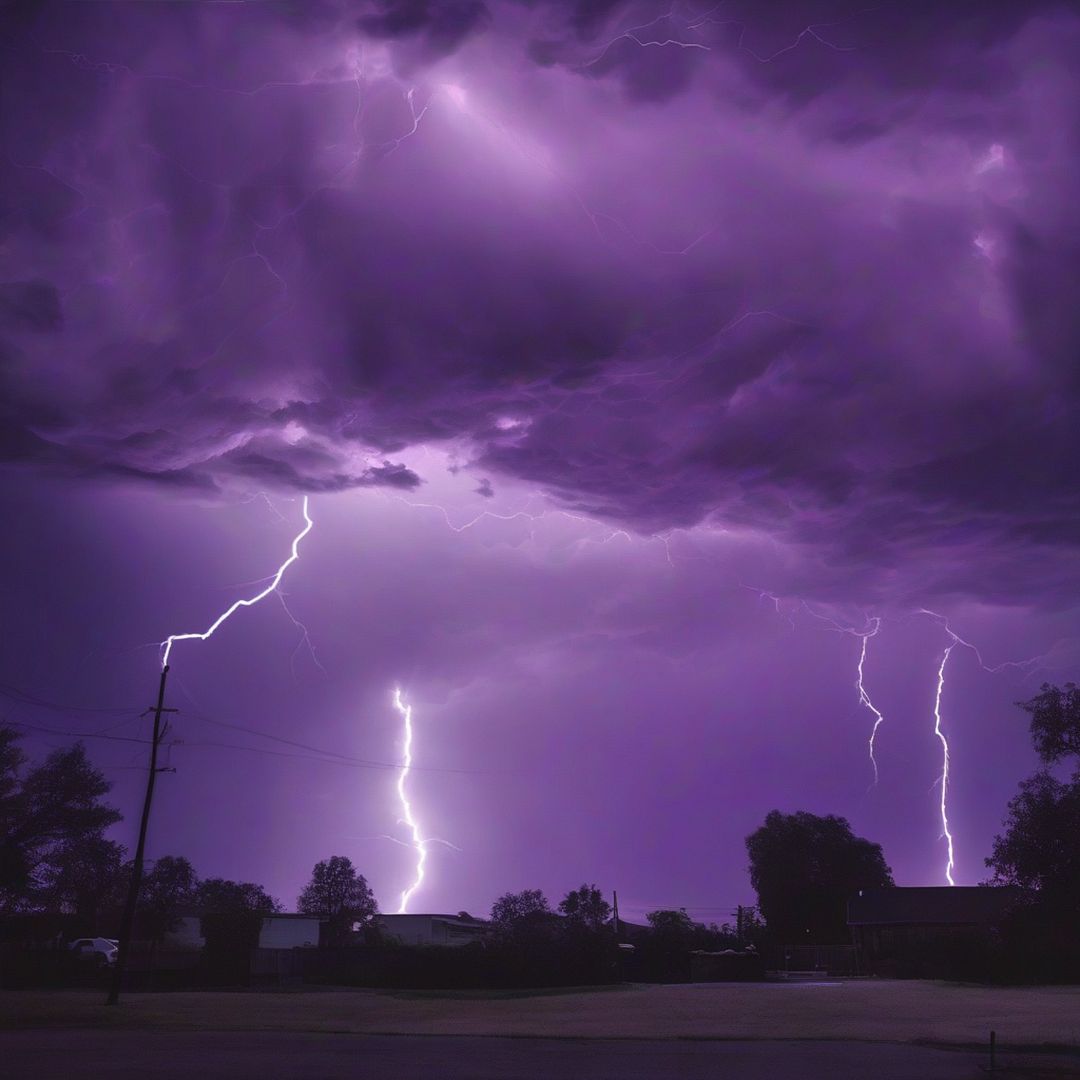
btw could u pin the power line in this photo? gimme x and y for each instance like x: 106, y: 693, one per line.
x: 76, y: 734
x: 326, y: 754
x: 24, y: 697
x: 182, y: 743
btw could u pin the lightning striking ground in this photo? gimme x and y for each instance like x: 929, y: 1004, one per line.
x: 418, y: 843
x: 275, y: 581
x: 950, y: 862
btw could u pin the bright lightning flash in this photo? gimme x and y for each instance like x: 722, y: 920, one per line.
x: 864, y: 697
x: 950, y: 863
x: 275, y: 581
x: 418, y: 843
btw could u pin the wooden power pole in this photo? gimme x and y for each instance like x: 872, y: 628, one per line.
x: 135, y: 884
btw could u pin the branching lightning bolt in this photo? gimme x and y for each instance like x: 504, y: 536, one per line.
x: 418, y: 843
x: 275, y: 581
x: 950, y: 863
x: 872, y: 626
x: 864, y: 697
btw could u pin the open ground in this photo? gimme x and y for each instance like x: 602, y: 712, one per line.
x: 930, y: 1013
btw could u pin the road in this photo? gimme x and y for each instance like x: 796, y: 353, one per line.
x: 224, y: 1055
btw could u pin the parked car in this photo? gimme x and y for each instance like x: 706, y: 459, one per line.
x: 96, y: 950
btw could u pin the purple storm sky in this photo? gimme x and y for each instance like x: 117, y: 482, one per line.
x: 624, y: 351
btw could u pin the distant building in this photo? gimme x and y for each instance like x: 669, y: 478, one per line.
x: 281, y: 930
x: 460, y: 929
x: 892, y: 929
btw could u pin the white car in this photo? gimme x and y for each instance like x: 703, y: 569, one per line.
x: 96, y: 949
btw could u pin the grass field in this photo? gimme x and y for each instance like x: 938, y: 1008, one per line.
x: 929, y: 1012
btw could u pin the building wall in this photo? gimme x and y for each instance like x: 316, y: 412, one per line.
x: 276, y: 933
x: 429, y: 929
x: 913, y: 949
x: 289, y: 933
x: 187, y: 934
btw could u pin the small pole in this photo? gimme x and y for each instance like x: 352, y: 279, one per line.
x: 615, y: 912
x: 993, y: 1051
x: 135, y: 884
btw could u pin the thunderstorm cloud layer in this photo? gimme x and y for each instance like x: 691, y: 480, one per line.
x: 802, y: 271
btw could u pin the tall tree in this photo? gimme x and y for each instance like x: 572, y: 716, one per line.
x: 84, y: 877
x: 586, y: 907
x: 232, y: 920
x: 44, y: 815
x: 339, y: 893
x: 1055, y: 721
x: 1040, y: 847
x: 170, y: 884
x: 804, y: 869
x: 514, y: 913
x: 221, y: 895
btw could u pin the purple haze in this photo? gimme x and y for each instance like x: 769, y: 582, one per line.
x: 624, y: 351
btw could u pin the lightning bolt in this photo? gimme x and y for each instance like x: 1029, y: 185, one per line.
x: 950, y: 863
x: 864, y: 697
x: 418, y: 843
x: 873, y: 625
x: 275, y: 581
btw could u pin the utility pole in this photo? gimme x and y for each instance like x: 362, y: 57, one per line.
x: 615, y: 912
x: 137, y: 866
x: 739, y: 926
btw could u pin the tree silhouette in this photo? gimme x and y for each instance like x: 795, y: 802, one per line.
x: 1040, y: 847
x: 1055, y: 721
x: 227, y: 897
x: 586, y: 907
x: 45, y: 816
x: 339, y: 893
x: 805, y: 868
x: 170, y: 885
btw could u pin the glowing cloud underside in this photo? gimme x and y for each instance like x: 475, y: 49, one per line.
x: 406, y: 808
x: 275, y: 581
x: 949, y: 864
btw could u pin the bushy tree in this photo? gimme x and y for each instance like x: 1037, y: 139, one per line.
x: 515, y: 913
x: 586, y: 907
x: 170, y: 884
x: 1040, y: 847
x: 221, y: 895
x: 48, y: 814
x: 1055, y: 721
x: 85, y: 877
x: 804, y: 869
x: 233, y: 913
x: 339, y: 893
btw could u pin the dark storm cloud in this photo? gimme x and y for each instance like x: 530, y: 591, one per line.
x: 442, y: 24
x: 792, y: 269
x: 29, y: 305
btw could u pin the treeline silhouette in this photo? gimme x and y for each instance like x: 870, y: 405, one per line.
x: 62, y: 878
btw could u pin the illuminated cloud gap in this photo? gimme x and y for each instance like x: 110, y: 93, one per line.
x: 950, y: 863
x: 418, y: 844
x: 275, y: 581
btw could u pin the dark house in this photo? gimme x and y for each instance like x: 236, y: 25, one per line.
x: 902, y: 931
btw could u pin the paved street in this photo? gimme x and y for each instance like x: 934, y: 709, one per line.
x: 135, y: 1055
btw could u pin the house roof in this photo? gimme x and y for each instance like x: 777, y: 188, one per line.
x: 467, y: 920
x: 978, y: 905
x: 193, y: 911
